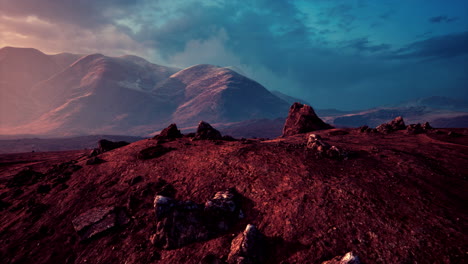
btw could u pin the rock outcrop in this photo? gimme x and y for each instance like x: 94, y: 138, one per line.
x: 396, y: 124
x: 206, y: 131
x: 348, y: 258
x: 98, y: 220
x: 169, y: 133
x: 323, y: 149
x: 247, y: 247
x: 418, y: 128
x: 153, y: 152
x: 183, y: 222
x: 105, y: 145
x: 302, y: 119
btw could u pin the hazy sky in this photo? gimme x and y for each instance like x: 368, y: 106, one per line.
x: 333, y: 53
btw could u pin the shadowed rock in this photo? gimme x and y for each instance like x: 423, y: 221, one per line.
x: 25, y: 177
x: 94, y: 161
x: 171, y: 132
x: 396, y: 124
x: 98, y: 220
x: 248, y: 247
x: 153, y: 152
x: 206, y: 131
x: 178, y: 223
x: 183, y: 222
x: 107, y: 145
x: 223, y: 210
x: 302, y: 119
x: 418, y: 128
x: 348, y: 258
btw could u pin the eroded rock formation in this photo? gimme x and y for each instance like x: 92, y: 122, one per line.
x: 302, y: 119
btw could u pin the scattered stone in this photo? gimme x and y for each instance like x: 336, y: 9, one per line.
x: 206, y: 131
x: 153, y: 152
x: 348, y: 258
x: 170, y: 133
x: 415, y: 129
x: 418, y: 128
x: 183, y: 222
x: 99, y: 220
x: 363, y: 129
x: 323, y: 149
x: 25, y: 177
x: 62, y: 173
x: 94, y: 160
x: 396, y: 124
x: 315, y: 142
x: 366, y: 129
x: 302, y: 119
x: 248, y: 247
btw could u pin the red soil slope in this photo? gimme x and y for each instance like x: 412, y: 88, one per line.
x: 398, y: 198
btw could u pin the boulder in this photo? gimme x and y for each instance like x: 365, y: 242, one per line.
x: 99, y: 220
x: 223, y: 210
x: 396, y: 124
x: 153, y: 152
x: 323, y: 149
x: 170, y: 133
x: 302, y: 119
x: 179, y: 223
x: 206, y: 131
x: 107, y: 145
x: 415, y: 129
x: 426, y: 126
x: 367, y: 129
x: 348, y: 258
x: 248, y: 247
x: 315, y: 142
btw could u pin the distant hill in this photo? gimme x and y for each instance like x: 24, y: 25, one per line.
x: 72, y: 95
x: 68, y: 94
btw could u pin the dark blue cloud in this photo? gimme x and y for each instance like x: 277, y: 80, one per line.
x: 440, y: 47
x: 442, y: 19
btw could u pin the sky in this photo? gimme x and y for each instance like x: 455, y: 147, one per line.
x: 344, y: 54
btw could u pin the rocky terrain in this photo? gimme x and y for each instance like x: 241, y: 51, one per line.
x: 396, y: 194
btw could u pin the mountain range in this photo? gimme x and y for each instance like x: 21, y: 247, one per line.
x: 72, y: 94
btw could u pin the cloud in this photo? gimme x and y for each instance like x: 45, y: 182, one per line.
x: 364, y: 45
x: 326, y: 62
x: 440, y: 47
x: 442, y: 19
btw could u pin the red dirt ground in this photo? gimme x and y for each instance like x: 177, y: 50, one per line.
x: 398, y: 199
